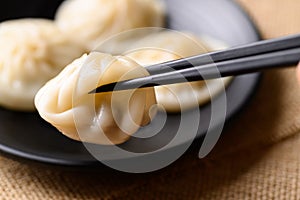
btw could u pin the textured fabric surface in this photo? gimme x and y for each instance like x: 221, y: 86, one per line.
x: 256, y: 158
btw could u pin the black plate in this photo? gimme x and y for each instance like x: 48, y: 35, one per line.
x: 28, y: 136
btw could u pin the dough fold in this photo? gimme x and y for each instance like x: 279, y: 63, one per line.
x: 32, y: 51
x: 105, y: 118
x: 165, y: 46
x: 89, y: 22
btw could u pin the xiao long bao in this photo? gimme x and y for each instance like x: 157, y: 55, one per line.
x: 32, y: 51
x: 106, y: 118
x: 89, y: 22
x: 171, y: 45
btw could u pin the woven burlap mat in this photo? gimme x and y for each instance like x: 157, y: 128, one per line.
x: 256, y: 158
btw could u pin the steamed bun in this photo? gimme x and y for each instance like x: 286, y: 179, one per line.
x: 105, y: 118
x: 89, y: 22
x: 32, y: 51
x: 171, y: 45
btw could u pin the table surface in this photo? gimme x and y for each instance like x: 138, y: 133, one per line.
x: 256, y: 158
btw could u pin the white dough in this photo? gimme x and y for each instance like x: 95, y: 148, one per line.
x: 89, y: 22
x: 106, y: 118
x: 32, y: 51
x: 171, y: 45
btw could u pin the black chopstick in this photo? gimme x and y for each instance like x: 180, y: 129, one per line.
x: 256, y: 48
x: 210, y: 71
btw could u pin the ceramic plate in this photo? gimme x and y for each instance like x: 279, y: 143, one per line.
x: 27, y: 135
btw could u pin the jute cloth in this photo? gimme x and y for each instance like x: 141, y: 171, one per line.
x: 256, y: 158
